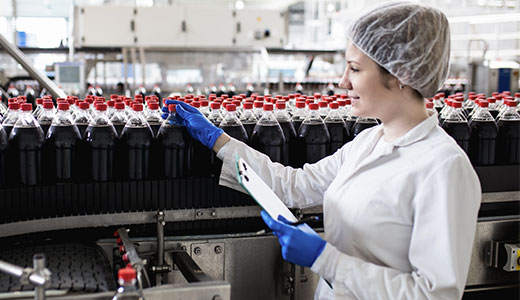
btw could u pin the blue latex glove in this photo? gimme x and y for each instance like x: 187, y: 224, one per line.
x: 300, y: 244
x: 198, y: 126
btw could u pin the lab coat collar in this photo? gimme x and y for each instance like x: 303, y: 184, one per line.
x: 417, y: 133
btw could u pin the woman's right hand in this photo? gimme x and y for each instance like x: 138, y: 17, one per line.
x: 198, y: 126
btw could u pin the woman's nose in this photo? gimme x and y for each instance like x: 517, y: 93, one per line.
x: 345, y: 83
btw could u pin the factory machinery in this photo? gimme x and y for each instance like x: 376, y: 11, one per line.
x: 189, y: 238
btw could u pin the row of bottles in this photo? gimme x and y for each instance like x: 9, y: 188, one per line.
x: 311, y: 130
x: 126, y: 139
x: 487, y: 129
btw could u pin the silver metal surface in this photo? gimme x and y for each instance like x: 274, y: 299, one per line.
x: 251, y: 264
x: 26, y: 63
x: 39, y: 269
x: 211, y: 290
x: 500, y: 197
x: 115, y: 219
x: 513, y: 259
x: 480, y: 273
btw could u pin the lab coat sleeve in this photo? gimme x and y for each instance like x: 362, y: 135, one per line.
x: 445, y: 211
x: 295, y: 187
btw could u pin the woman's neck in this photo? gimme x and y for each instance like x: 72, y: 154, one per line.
x: 404, y: 119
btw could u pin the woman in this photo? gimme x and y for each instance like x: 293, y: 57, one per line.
x: 400, y: 201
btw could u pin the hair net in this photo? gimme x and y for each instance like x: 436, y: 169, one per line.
x: 411, y: 41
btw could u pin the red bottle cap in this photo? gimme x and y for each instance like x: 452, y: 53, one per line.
x: 510, y: 103
x: 456, y: 104
x: 101, y: 107
x: 342, y: 102
x: 153, y: 105
x: 204, y: 103
x: 171, y: 107
x: 26, y: 107
x: 231, y: 107
x: 268, y: 106
x: 300, y: 104
x: 48, y: 105
x: 280, y: 104
x: 334, y: 105
x: 14, y: 106
x: 491, y: 99
x: 215, y: 105
x: 507, y: 93
x: 429, y: 104
x: 322, y: 103
x: 517, y: 95
x: 111, y: 103
x: 258, y: 104
x: 248, y: 105
x: 119, y: 105
x: 483, y: 104
x: 127, y: 274
x: 84, y: 105
x: 63, y: 106
x: 137, y: 107
x: 39, y: 101
x: 313, y: 106
x: 195, y: 104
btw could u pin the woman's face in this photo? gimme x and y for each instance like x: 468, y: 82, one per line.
x: 362, y: 79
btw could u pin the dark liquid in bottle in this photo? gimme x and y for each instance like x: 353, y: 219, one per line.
x: 25, y: 154
x: 459, y: 131
x: 60, y: 152
x: 296, y: 125
x: 82, y: 128
x: 290, y: 143
x: 349, y: 124
x: 119, y: 128
x: 237, y: 131
x: 358, y: 127
x: 314, y: 140
x: 7, y: 129
x: 249, y: 127
x: 3, y: 146
x: 494, y: 113
x: 135, y: 151
x: 269, y: 140
x: 201, y: 159
x: 482, y: 142
x: 508, y: 142
x: 155, y: 128
x: 101, y: 142
x: 338, y: 135
x: 45, y: 128
x: 438, y: 109
x: 172, y: 151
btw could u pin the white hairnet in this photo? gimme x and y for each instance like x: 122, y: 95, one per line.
x: 411, y: 41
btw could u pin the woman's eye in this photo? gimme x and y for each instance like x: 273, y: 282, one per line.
x: 353, y: 69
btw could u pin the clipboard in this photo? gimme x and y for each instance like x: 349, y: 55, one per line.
x: 261, y: 192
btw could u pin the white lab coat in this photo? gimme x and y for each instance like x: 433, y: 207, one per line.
x: 399, y: 217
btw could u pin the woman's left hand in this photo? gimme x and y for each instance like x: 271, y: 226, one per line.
x: 300, y: 244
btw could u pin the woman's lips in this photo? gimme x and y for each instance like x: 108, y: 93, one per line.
x: 354, y: 100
